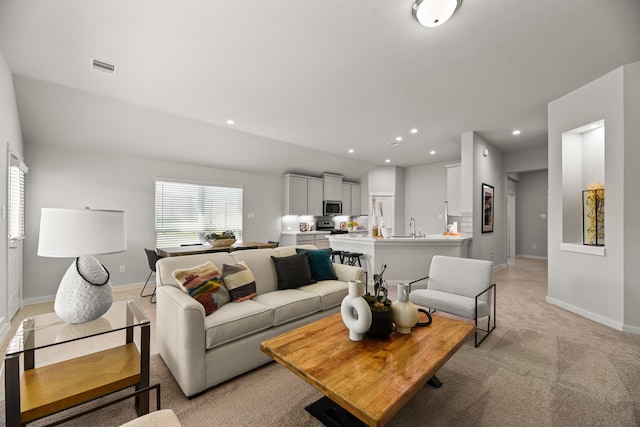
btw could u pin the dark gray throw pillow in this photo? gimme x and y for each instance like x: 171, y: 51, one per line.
x: 293, y: 271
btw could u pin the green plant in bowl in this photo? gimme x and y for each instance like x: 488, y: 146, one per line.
x: 213, y: 235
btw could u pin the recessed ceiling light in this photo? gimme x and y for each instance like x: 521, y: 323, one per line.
x: 387, y: 161
x: 432, y: 152
x: 230, y: 122
x: 398, y: 138
x: 516, y: 132
x: 414, y: 131
x: 351, y: 150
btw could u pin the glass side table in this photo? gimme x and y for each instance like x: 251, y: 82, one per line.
x: 45, y: 390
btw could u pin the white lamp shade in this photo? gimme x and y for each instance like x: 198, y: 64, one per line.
x: 432, y: 13
x: 79, y: 232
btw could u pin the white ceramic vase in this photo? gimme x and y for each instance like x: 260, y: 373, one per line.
x: 405, y: 313
x: 355, y: 311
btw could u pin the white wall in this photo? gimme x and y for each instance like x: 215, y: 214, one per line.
x: 425, y: 194
x: 10, y: 136
x: 478, y: 169
x: 526, y: 160
x: 64, y: 177
x: 599, y: 287
x: 631, y: 176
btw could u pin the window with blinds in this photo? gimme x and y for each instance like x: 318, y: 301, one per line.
x: 185, y: 212
x: 17, y: 174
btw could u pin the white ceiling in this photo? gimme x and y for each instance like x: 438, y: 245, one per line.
x: 328, y: 75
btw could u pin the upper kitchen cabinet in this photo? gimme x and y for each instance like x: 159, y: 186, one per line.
x: 314, y: 196
x: 454, y: 189
x: 332, y: 187
x: 302, y: 195
x: 351, y: 204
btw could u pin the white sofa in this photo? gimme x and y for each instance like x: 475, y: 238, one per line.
x: 203, y: 351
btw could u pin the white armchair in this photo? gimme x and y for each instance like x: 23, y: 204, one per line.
x: 460, y: 286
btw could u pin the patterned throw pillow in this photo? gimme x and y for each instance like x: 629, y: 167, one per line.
x: 204, y: 284
x: 239, y: 281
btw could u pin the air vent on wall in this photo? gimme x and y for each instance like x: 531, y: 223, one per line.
x: 103, y: 66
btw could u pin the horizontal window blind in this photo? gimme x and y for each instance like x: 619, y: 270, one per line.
x: 186, y: 212
x: 17, y: 175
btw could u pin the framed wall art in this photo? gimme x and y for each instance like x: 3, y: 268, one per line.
x: 487, y: 208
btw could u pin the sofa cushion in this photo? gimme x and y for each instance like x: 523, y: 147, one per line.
x: 331, y: 292
x: 239, y: 281
x: 320, y: 264
x: 203, y: 283
x: 234, y: 321
x: 259, y: 261
x: 293, y: 271
x: 290, y: 304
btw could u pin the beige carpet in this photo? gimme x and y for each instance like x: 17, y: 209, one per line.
x: 542, y: 366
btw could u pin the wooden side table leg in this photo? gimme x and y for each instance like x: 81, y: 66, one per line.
x: 12, y: 390
x: 142, y: 400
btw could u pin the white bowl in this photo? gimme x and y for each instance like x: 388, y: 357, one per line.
x: 386, y: 232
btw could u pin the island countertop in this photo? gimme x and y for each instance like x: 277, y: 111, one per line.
x: 425, y: 240
x: 407, y: 258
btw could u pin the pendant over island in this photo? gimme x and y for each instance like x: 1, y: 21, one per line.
x: 407, y: 258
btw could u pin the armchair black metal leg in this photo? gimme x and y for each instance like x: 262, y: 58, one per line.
x: 489, y: 327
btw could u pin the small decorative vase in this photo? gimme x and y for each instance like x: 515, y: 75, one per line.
x: 381, y: 324
x: 355, y: 312
x: 405, y: 313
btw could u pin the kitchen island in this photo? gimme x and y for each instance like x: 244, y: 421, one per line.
x: 407, y: 258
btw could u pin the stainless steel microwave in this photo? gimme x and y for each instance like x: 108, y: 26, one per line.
x: 332, y: 207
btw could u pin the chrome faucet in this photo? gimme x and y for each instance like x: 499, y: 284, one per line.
x: 412, y: 224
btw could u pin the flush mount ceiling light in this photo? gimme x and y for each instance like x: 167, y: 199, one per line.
x: 432, y: 13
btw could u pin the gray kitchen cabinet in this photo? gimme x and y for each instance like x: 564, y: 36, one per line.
x: 332, y: 187
x: 302, y: 195
x: 351, y: 199
x: 314, y: 196
x: 454, y: 189
x: 319, y: 240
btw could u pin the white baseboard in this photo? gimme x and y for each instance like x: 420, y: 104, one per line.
x: 531, y: 256
x: 589, y: 315
x: 130, y: 286
x: 49, y: 298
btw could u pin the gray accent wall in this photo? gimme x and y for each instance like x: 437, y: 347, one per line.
x: 531, y: 206
x: 72, y: 178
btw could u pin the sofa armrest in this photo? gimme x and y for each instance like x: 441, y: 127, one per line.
x: 180, y: 337
x: 349, y: 272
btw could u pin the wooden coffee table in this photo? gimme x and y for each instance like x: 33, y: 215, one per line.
x: 371, y: 379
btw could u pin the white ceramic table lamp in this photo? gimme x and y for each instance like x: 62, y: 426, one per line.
x: 84, y: 293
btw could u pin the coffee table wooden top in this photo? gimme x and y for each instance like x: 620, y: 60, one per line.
x: 372, y: 379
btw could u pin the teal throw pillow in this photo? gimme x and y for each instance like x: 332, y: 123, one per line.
x: 320, y: 263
